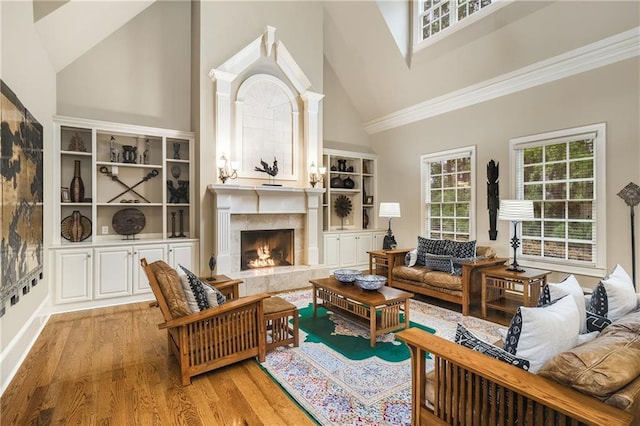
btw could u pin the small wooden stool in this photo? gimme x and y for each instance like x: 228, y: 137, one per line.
x: 277, y: 313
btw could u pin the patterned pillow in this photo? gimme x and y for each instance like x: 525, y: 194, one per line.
x: 439, y: 263
x: 458, y: 261
x: 599, y: 304
x: 427, y: 245
x: 621, y: 294
x: 460, y: 248
x: 212, y: 294
x: 411, y: 257
x: 194, y: 291
x: 469, y: 340
x: 596, y: 322
x: 171, y: 288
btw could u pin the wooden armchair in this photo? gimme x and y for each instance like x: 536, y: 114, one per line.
x: 212, y: 338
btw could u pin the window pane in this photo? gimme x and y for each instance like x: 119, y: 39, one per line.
x: 581, y: 149
x: 580, y: 231
x: 556, y: 171
x: 436, y: 168
x: 554, y: 210
x: 447, y: 225
x: 556, y: 191
x: 533, y: 192
x: 531, y: 247
x: 464, y: 164
x: 581, y: 190
x: 448, y: 181
x: 448, y: 210
x: 464, y: 194
x: 580, y: 209
x: 578, y: 251
x: 435, y: 224
x: 533, y: 173
x: 436, y: 196
x: 462, y: 225
x: 464, y: 179
x: 435, y: 209
x: 554, y: 249
x: 449, y: 195
x: 531, y: 229
x: 449, y: 166
x: 462, y: 210
x: 554, y: 230
x: 581, y: 169
x: 533, y: 155
x: 556, y: 152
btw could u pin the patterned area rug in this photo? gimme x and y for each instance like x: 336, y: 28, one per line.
x: 337, y: 386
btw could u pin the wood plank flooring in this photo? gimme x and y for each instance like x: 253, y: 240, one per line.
x: 110, y: 366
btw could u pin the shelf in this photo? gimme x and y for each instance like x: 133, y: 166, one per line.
x: 78, y: 153
x: 132, y: 165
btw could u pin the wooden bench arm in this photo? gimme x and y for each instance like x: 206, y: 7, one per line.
x: 547, y: 393
x: 215, y: 311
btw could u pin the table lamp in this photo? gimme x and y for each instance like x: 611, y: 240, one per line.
x: 515, y: 211
x: 389, y: 210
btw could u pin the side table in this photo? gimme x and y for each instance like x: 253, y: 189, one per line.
x: 227, y: 286
x: 381, y: 262
x: 506, y: 290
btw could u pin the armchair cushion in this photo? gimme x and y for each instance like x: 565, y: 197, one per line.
x: 171, y: 288
x: 195, y: 282
x: 194, y: 292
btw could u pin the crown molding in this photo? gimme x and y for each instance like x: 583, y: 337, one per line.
x: 604, y: 52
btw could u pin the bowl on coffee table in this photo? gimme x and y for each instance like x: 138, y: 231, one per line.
x: 346, y: 276
x: 370, y: 282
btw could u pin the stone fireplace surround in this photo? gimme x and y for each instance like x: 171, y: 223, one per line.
x: 244, y: 207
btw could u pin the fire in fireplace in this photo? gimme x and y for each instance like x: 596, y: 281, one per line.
x: 266, y: 248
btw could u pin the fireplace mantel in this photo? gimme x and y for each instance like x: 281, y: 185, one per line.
x: 265, y: 200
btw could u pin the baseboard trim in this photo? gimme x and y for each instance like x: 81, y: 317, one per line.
x: 17, y: 350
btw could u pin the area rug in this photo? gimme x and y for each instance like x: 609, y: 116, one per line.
x: 338, y: 379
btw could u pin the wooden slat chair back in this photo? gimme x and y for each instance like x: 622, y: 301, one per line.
x: 213, y: 338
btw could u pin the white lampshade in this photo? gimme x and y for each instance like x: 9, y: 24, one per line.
x: 516, y: 210
x: 389, y: 210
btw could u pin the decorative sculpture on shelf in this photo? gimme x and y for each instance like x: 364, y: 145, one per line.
x: 212, y: 267
x: 272, y: 171
x: 493, y: 197
x: 342, y: 206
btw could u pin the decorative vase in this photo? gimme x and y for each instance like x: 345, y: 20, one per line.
x: 348, y: 183
x: 76, y: 230
x: 336, y: 182
x: 129, y: 154
x: 76, y: 189
x: 342, y: 165
x: 365, y: 219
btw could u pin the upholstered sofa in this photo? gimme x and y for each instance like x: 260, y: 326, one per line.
x: 463, y: 288
x: 469, y: 387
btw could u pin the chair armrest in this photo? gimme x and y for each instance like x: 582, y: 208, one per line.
x: 215, y: 311
x: 546, y: 392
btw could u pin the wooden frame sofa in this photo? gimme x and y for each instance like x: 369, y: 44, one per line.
x: 470, y: 388
x: 212, y: 338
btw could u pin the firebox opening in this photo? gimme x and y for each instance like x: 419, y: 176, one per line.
x: 266, y: 248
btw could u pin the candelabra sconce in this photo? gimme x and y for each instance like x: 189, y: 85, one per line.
x: 316, y: 174
x: 223, y: 169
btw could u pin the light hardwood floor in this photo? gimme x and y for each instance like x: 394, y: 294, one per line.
x: 110, y: 366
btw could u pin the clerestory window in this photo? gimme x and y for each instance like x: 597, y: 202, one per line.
x: 563, y: 173
x: 449, y: 195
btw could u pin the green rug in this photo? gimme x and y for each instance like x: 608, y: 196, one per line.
x: 355, y: 347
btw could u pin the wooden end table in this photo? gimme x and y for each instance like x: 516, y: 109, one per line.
x: 506, y: 290
x: 381, y: 262
x: 227, y: 286
x: 379, y: 309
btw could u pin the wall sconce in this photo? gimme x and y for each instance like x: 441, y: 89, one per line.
x: 316, y: 174
x: 223, y: 169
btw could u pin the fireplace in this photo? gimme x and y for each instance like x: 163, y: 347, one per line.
x: 266, y: 248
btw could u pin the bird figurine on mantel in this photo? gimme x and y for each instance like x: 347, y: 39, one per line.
x: 270, y: 170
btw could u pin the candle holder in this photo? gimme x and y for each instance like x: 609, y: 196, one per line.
x: 223, y: 169
x: 316, y: 174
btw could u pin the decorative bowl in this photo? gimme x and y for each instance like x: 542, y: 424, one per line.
x: 346, y: 275
x: 370, y: 282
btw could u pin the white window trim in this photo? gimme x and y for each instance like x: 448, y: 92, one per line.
x: 419, y: 44
x: 446, y: 155
x: 599, y: 129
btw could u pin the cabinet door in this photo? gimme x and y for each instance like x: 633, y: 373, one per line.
x: 331, y: 250
x: 113, y: 272
x: 73, y: 275
x: 364, y: 246
x: 378, y: 240
x: 348, y: 250
x: 151, y: 253
x: 185, y: 254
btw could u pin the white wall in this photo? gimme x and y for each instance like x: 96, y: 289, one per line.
x: 25, y: 68
x: 608, y: 94
x: 140, y: 74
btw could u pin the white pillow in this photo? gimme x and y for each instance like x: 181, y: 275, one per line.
x: 188, y: 292
x: 212, y: 295
x: 537, y: 334
x: 621, y: 295
x: 411, y: 257
x: 571, y: 286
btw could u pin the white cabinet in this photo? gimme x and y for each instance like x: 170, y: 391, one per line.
x: 348, y: 249
x: 113, y: 272
x: 74, y: 272
x: 185, y: 254
x: 378, y: 240
x: 151, y: 253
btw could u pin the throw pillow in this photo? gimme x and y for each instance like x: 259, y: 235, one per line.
x: 467, y: 339
x: 537, y: 334
x: 621, y: 294
x: 411, y: 257
x: 212, y: 294
x: 426, y: 245
x: 171, y: 288
x: 194, y: 291
x: 458, y: 261
x: 554, y: 291
x: 598, y: 304
x: 219, y: 296
x: 460, y: 248
x: 596, y: 322
x: 438, y: 263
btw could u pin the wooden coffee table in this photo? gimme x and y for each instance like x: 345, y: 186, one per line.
x: 379, y: 309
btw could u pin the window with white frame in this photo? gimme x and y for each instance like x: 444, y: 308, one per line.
x: 562, y: 172
x: 449, y: 195
x: 435, y: 16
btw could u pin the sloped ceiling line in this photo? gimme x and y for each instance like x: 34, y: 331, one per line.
x: 613, y: 49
